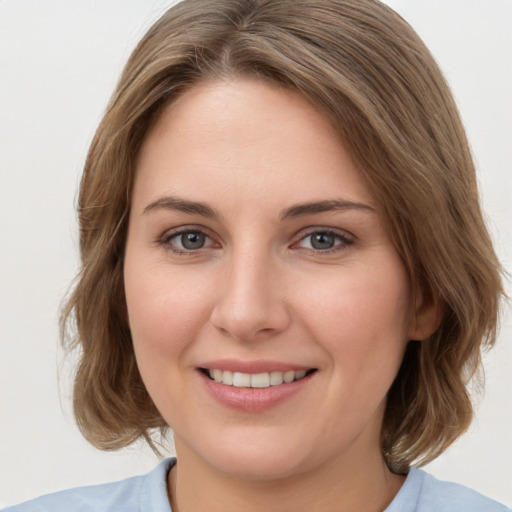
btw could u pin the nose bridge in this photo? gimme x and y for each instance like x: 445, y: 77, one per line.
x: 250, y: 300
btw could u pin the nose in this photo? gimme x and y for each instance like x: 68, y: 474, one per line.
x: 251, y: 302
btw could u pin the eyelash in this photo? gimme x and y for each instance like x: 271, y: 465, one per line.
x: 342, y: 241
x: 166, y: 241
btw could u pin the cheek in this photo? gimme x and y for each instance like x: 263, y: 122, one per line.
x: 362, y: 322
x: 165, y: 313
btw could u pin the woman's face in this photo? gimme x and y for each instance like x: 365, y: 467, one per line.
x: 256, y: 255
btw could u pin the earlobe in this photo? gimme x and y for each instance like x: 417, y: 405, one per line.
x: 426, y: 317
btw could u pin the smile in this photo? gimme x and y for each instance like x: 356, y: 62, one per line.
x: 255, y: 380
x: 247, y: 387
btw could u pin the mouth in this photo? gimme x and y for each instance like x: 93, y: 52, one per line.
x: 255, y: 380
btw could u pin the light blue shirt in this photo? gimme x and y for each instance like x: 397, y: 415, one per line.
x: 421, y: 492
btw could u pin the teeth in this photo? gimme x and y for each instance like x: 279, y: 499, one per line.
x: 260, y: 380
x: 276, y: 378
x: 227, y: 377
x: 255, y: 380
x: 241, y: 380
x: 288, y: 376
x: 300, y: 374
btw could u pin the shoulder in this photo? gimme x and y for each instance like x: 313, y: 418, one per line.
x: 449, y: 496
x: 422, y: 492
x: 135, y: 494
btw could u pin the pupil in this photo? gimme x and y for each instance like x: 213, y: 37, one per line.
x: 192, y: 240
x: 322, y: 241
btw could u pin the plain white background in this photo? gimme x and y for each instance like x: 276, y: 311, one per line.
x: 59, y: 61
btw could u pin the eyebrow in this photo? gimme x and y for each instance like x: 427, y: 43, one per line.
x: 183, y: 205
x: 299, y: 210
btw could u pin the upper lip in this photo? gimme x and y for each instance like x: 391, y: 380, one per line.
x: 253, y: 367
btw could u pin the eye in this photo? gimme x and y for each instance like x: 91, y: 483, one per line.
x: 324, y: 241
x: 185, y: 241
x: 192, y: 240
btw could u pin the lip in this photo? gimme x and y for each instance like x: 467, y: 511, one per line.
x: 253, y: 399
x: 262, y: 366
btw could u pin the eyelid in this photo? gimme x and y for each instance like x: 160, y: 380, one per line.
x: 168, y: 235
x: 346, y: 238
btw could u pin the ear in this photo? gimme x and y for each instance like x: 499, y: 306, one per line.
x: 426, y: 315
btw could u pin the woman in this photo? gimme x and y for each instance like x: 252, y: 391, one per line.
x: 284, y: 261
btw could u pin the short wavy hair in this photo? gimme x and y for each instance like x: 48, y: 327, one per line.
x: 365, y: 68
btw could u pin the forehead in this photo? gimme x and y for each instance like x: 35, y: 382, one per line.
x: 246, y: 135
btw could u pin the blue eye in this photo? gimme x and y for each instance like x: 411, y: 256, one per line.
x: 192, y: 240
x: 187, y: 241
x: 323, y: 241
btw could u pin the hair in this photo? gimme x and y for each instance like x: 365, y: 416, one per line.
x: 364, y: 67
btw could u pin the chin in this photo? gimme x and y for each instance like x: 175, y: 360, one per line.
x: 259, y: 465
x: 258, y: 458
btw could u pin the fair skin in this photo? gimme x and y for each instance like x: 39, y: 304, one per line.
x: 254, y: 247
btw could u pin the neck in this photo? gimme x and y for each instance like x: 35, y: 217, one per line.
x: 340, y: 486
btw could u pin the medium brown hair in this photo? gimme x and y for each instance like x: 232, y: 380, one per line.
x: 367, y: 70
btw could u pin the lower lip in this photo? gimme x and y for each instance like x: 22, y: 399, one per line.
x: 254, y: 399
